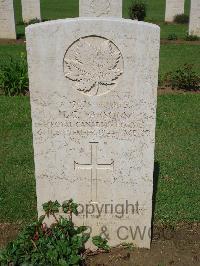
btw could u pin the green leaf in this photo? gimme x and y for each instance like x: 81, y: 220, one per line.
x: 51, y: 207
x: 60, y: 244
x: 81, y: 229
x: 63, y: 262
x: 101, y: 243
x: 74, y: 259
x: 41, y: 219
x: 85, y: 238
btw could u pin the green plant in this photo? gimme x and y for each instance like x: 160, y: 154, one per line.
x: 14, y: 76
x: 172, y: 37
x: 32, y: 21
x: 60, y: 244
x: 160, y: 80
x: 137, y: 10
x: 184, y: 78
x: 128, y: 246
x: 181, y: 19
x: 101, y: 243
x: 189, y: 37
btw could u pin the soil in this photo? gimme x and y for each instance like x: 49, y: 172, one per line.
x: 8, y: 232
x: 168, y: 90
x: 9, y: 41
x: 176, y: 247
x: 162, y: 41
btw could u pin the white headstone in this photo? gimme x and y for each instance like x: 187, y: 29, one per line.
x: 93, y: 85
x: 194, y: 25
x: 7, y: 20
x: 100, y: 8
x: 173, y: 8
x: 30, y: 10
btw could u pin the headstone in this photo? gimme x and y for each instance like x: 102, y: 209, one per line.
x: 194, y: 25
x: 30, y: 10
x: 93, y: 85
x: 100, y: 8
x: 7, y: 20
x: 173, y: 8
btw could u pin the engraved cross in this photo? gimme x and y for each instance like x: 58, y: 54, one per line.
x: 93, y: 167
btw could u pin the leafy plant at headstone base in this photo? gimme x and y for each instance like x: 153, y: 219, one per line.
x: 32, y: 21
x: 189, y: 37
x: 61, y: 244
x: 137, y: 10
x: 128, y: 246
x: 160, y: 80
x: 172, y: 37
x: 14, y: 76
x: 101, y: 243
x: 184, y: 78
x: 181, y: 19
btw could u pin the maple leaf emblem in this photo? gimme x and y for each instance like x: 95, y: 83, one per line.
x: 100, y: 7
x: 94, y: 63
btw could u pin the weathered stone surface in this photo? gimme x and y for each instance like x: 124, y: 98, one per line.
x: 103, y: 8
x: 93, y: 85
x: 194, y: 25
x: 30, y: 10
x: 173, y: 8
x: 7, y: 20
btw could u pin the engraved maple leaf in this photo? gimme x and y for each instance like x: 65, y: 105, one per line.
x: 100, y: 8
x: 93, y: 64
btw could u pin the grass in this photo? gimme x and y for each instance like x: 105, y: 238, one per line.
x: 167, y: 28
x: 177, y: 147
x: 174, y: 55
x: 11, y: 50
x: 56, y: 9
x: 17, y: 183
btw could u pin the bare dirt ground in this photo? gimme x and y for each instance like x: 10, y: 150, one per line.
x: 9, y: 41
x: 8, y: 232
x: 176, y: 247
x: 180, y: 247
x: 163, y: 41
x: 167, y: 90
